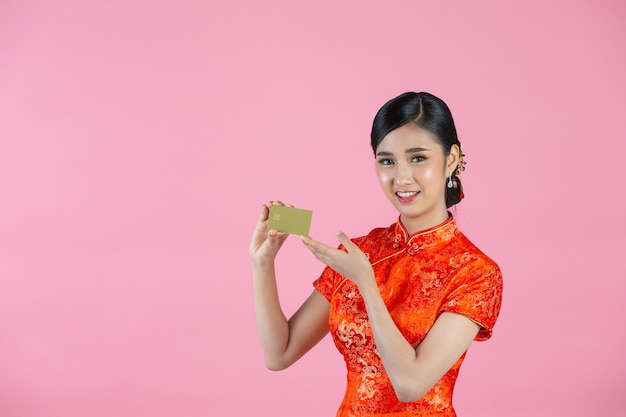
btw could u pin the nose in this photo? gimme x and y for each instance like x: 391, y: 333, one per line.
x: 404, y: 175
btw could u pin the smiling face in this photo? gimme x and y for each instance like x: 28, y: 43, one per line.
x: 412, y: 170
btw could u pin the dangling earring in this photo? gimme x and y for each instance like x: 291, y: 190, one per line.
x: 450, y: 185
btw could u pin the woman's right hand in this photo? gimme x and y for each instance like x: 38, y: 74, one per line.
x: 264, y: 245
x: 283, y: 340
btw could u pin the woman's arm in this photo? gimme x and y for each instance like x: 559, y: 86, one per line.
x: 412, y: 371
x: 283, y: 341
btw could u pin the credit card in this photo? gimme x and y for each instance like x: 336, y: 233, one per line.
x: 290, y: 220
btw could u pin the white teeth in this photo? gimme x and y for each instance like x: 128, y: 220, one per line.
x: 405, y: 194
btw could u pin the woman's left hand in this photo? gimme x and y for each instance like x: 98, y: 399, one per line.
x: 352, y: 263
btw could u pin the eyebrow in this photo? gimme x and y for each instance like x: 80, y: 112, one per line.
x: 410, y: 150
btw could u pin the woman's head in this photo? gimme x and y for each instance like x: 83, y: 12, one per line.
x: 427, y: 112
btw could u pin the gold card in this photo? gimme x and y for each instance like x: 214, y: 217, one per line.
x: 290, y: 220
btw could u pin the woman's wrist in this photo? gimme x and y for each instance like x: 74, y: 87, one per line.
x: 263, y: 265
x: 367, y: 283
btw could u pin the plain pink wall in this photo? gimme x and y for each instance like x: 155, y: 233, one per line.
x: 138, y: 140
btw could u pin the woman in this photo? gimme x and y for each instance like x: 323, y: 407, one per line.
x: 403, y: 303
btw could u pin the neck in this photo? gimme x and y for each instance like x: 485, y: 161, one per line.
x: 414, y: 225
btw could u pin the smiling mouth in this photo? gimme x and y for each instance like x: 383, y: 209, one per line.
x: 406, y: 196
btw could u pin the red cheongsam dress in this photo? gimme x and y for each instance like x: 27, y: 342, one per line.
x: 419, y: 277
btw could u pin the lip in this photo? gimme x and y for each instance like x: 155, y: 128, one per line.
x: 406, y: 196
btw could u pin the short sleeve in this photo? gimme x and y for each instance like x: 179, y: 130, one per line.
x: 329, y: 281
x: 477, y: 294
x: 325, y: 284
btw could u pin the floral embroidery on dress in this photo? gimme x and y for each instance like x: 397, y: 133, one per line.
x: 412, y: 249
x: 396, y: 240
x: 419, y: 277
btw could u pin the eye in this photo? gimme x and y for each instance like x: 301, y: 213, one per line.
x: 385, y: 162
x: 418, y: 158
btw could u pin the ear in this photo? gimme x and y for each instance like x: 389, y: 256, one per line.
x: 452, y: 161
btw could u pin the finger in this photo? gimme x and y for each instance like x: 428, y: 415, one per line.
x: 279, y: 203
x: 312, y: 245
x: 273, y: 233
x: 315, y: 249
x: 345, y: 240
x: 321, y: 251
x: 264, y: 211
x: 275, y: 238
x: 308, y: 242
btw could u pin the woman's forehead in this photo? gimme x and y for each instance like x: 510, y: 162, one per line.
x: 408, y: 136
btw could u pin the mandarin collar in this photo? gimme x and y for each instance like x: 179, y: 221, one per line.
x: 423, y: 239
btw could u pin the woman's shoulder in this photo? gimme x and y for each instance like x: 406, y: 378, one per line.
x: 378, y: 243
x: 468, y: 256
x: 376, y: 236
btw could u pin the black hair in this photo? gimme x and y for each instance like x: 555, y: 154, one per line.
x: 427, y: 112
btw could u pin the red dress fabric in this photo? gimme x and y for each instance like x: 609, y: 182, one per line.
x: 419, y: 277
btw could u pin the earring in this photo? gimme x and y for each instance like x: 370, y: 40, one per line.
x: 450, y: 185
x: 461, y: 165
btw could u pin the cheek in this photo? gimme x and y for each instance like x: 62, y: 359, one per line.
x: 430, y: 174
x: 384, y: 176
x: 427, y: 174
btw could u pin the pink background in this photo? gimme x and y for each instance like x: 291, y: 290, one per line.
x: 139, y: 138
